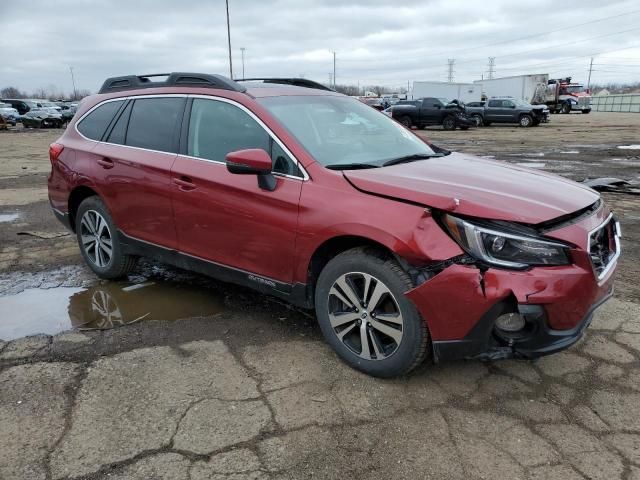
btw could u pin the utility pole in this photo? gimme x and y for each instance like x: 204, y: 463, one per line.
x: 73, y: 82
x: 451, y: 62
x: 330, y: 79
x: 590, y: 69
x: 492, y: 65
x: 242, y: 49
x: 229, y: 42
x: 334, y: 70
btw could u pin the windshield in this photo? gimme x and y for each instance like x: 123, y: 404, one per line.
x: 341, y: 130
x: 444, y: 101
x: 574, y: 89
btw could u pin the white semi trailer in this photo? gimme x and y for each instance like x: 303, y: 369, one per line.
x: 465, y: 92
x: 530, y: 88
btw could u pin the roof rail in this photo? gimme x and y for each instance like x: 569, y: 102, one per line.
x: 297, y: 82
x: 174, y: 79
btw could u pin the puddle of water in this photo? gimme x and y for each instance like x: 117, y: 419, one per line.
x: 629, y: 147
x: 8, y: 217
x: 537, y: 154
x: 531, y: 164
x: 100, y: 307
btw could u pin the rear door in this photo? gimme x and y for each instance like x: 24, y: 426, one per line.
x: 227, y: 218
x: 430, y: 111
x: 134, y: 164
x: 494, y: 111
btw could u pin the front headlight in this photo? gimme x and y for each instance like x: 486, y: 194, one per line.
x: 504, y: 249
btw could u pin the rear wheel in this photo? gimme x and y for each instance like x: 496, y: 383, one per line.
x: 98, y: 240
x: 365, y: 316
x: 406, y: 121
x: 526, y: 121
x: 449, y: 123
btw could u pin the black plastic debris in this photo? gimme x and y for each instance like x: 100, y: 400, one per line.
x: 614, y: 185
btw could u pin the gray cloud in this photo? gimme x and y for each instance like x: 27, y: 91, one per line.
x: 376, y: 41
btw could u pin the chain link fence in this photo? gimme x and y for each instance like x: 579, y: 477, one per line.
x: 616, y: 103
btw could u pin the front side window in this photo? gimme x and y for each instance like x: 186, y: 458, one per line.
x: 339, y: 130
x: 153, y: 123
x: 94, y: 125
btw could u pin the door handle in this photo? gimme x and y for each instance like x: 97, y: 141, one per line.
x: 106, y: 163
x: 184, y: 183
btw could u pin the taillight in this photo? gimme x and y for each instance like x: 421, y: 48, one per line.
x: 55, y: 149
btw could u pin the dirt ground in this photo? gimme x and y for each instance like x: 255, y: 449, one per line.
x: 170, y: 375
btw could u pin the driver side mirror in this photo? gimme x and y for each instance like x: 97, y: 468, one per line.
x: 253, y: 161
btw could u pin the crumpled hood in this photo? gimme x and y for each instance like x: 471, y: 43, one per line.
x: 477, y: 187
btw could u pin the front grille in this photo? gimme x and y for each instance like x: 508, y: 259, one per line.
x: 604, y: 246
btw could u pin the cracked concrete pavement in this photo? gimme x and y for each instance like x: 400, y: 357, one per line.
x: 254, y: 393
x: 81, y: 405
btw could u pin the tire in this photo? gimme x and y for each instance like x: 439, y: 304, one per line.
x: 586, y: 110
x: 566, y: 108
x: 478, y: 119
x: 449, y: 123
x: 406, y: 121
x: 525, y: 120
x: 384, y: 355
x: 96, y: 252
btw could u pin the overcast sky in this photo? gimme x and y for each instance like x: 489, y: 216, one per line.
x: 376, y: 42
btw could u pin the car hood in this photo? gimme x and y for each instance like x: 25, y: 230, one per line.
x: 477, y: 187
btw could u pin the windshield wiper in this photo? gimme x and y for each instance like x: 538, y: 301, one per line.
x: 410, y: 158
x: 350, y: 166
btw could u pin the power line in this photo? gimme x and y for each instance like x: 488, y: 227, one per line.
x: 501, y: 42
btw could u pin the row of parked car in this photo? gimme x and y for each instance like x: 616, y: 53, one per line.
x: 36, y: 113
x: 424, y: 112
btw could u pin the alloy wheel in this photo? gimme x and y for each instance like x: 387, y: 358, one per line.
x: 96, y: 238
x: 365, y: 316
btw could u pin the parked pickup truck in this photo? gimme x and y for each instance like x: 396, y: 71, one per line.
x: 507, y: 110
x: 431, y: 111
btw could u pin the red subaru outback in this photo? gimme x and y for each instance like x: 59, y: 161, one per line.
x: 404, y: 249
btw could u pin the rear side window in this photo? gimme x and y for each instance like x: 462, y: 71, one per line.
x: 94, y: 125
x: 495, y: 103
x: 119, y: 132
x: 217, y: 128
x: 153, y: 122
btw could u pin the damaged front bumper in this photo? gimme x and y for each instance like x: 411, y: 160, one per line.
x: 462, y: 303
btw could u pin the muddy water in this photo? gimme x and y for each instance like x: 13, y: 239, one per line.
x: 8, y: 217
x: 104, y: 306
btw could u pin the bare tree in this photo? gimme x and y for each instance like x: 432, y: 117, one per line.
x: 11, y: 92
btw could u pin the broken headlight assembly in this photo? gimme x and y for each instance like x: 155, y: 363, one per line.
x: 495, y: 245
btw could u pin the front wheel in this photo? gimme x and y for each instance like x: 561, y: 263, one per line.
x: 526, y: 121
x: 478, y: 119
x: 566, y: 108
x: 365, y: 316
x: 99, y: 242
x: 449, y: 123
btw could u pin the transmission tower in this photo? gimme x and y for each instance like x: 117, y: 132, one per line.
x: 492, y: 66
x: 451, y: 62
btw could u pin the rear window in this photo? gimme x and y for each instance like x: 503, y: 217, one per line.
x: 153, y: 123
x: 94, y: 125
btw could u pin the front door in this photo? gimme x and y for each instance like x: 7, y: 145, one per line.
x: 227, y: 218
